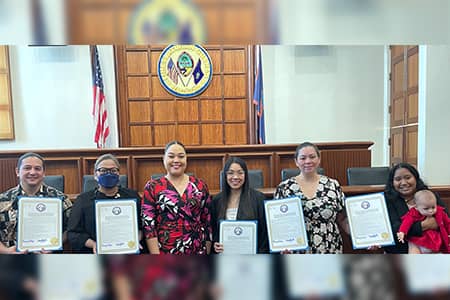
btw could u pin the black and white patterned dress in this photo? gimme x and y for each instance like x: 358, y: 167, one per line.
x: 320, y: 213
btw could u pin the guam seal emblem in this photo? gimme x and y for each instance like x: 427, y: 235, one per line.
x: 166, y: 21
x: 185, y: 70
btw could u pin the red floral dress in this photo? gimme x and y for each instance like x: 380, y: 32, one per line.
x: 182, y: 223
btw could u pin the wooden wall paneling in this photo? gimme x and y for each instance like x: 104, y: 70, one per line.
x: 70, y: 168
x: 336, y: 162
x: 207, y: 167
x: 264, y: 161
x: 140, y: 163
x: 235, y: 134
x: 8, y: 177
x: 121, y: 91
x: 224, y: 102
x: 144, y: 167
x: 94, y: 21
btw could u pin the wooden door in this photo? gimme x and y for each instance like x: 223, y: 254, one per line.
x: 404, y: 107
x: 150, y: 116
x: 6, y: 114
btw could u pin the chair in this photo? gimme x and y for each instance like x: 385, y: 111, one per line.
x: 56, y: 181
x: 255, y: 178
x: 291, y: 172
x: 367, y: 176
x: 89, y: 182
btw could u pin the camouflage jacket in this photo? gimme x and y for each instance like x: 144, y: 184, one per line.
x: 9, y: 206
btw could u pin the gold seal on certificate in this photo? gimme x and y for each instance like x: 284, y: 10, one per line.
x: 39, y: 224
x: 238, y: 237
x: 285, y: 224
x: 369, y: 221
x: 54, y: 241
x: 117, y: 226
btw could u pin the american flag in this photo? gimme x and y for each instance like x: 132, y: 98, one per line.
x: 172, y: 71
x: 99, y: 111
x: 258, y: 97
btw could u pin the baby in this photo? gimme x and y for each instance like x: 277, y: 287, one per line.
x: 431, y: 241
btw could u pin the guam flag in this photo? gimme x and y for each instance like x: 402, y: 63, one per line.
x: 258, y: 97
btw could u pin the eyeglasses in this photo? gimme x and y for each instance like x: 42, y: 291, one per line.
x: 238, y: 173
x: 108, y: 170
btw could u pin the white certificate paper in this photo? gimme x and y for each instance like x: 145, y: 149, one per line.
x: 238, y: 237
x: 117, y: 226
x: 285, y: 224
x: 369, y: 221
x: 324, y: 276
x: 39, y: 224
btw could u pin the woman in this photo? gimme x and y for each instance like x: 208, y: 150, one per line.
x: 238, y: 201
x: 403, y: 182
x: 322, y: 201
x: 81, y: 230
x: 176, y: 208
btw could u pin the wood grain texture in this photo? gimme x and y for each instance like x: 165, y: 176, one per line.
x: 204, y: 161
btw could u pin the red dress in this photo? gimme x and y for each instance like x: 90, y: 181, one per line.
x: 435, y: 240
x: 182, y: 223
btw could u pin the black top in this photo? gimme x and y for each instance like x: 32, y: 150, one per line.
x: 256, y: 212
x: 82, y: 218
x: 396, y: 208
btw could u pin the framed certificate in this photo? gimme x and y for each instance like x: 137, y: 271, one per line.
x: 238, y: 237
x: 285, y: 224
x: 116, y: 225
x: 369, y: 221
x: 39, y: 224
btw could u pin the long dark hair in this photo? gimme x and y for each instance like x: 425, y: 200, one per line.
x: 390, y: 192
x: 226, y: 189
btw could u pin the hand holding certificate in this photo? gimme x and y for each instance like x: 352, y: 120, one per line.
x: 39, y: 224
x: 285, y: 224
x: 116, y: 224
x: 238, y: 237
x: 369, y: 221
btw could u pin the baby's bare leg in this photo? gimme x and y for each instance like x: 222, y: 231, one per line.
x: 413, y: 248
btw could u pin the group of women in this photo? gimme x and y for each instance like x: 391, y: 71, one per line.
x: 180, y: 217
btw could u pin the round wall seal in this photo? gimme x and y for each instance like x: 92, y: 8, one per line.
x: 185, y: 70
x: 166, y: 21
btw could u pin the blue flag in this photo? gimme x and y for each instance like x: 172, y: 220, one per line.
x: 198, y: 73
x: 258, y: 98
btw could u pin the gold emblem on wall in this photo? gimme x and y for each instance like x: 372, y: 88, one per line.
x: 185, y: 70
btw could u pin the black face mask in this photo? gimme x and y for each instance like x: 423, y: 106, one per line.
x: 108, y: 180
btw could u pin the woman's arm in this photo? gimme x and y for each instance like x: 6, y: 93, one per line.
x: 149, y: 219
x: 153, y: 246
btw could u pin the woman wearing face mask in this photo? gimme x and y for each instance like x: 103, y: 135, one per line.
x: 81, y: 232
x: 237, y: 201
x: 176, y: 208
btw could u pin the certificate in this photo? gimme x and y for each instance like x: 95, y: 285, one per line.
x: 39, y: 224
x: 238, y: 237
x: 285, y: 224
x: 324, y: 276
x: 117, y: 226
x: 369, y: 221
x: 236, y: 273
